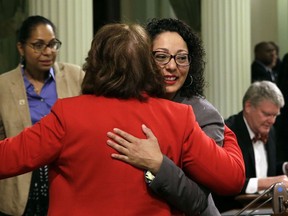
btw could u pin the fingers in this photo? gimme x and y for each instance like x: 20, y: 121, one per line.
x: 124, y: 134
x: 117, y: 147
x: 120, y: 157
x: 117, y: 139
x: 149, y: 134
x: 147, y: 131
x: 120, y: 148
x: 128, y: 137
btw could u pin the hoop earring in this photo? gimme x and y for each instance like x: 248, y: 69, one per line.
x: 186, y: 81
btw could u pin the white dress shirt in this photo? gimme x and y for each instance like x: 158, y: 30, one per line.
x: 261, y: 163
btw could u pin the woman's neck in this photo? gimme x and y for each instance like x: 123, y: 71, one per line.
x: 39, y: 76
x: 170, y: 96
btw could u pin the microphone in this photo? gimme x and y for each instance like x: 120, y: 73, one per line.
x: 279, y: 198
x: 277, y: 193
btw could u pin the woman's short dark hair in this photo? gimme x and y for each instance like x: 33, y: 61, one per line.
x: 195, y: 49
x: 120, y: 64
x: 30, y: 24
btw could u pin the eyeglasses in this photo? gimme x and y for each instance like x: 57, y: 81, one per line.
x: 163, y: 58
x: 40, y: 46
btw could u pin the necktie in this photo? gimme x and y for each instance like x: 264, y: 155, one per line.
x: 260, y: 137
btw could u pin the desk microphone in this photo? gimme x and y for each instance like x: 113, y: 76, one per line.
x: 279, y: 198
x: 277, y: 193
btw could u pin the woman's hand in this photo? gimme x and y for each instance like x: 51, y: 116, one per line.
x: 141, y: 153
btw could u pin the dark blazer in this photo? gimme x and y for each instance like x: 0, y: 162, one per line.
x: 237, y: 125
x: 85, y: 180
x: 172, y: 185
x: 174, y: 180
x: 259, y: 72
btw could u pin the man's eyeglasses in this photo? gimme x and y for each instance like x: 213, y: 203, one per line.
x: 40, y: 46
x: 163, y: 58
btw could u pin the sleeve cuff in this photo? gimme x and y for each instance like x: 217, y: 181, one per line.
x: 166, y: 169
x: 252, y: 186
x: 285, y: 168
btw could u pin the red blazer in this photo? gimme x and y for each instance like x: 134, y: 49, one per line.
x: 85, y: 180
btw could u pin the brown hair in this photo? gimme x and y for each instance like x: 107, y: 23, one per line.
x: 120, y: 64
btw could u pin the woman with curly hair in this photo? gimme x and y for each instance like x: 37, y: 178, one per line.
x: 184, y: 75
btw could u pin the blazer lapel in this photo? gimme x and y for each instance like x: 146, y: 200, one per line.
x: 18, y: 95
x: 245, y: 142
x: 61, y: 83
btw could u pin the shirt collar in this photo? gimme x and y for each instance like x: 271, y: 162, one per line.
x: 51, y: 75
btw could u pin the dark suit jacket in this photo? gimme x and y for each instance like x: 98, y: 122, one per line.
x: 83, y: 177
x: 237, y: 125
x: 259, y: 73
x: 180, y: 191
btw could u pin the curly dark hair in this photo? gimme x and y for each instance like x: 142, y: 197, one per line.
x: 120, y: 64
x: 195, y: 48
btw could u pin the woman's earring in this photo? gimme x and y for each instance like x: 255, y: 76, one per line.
x: 22, y: 61
x: 187, y: 81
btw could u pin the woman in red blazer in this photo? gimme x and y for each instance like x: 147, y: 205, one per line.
x: 121, y: 84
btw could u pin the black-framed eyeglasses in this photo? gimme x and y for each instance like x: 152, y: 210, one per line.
x: 181, y: 59
x: 40, y: 46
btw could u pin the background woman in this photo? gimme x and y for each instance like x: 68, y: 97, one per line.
x: 27, y: 94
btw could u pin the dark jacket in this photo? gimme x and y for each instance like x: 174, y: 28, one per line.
x: 237, y: 125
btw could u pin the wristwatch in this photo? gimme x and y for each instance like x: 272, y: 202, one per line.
x: 149, y: 177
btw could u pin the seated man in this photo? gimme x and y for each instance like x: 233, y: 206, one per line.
x: 255, y: 133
